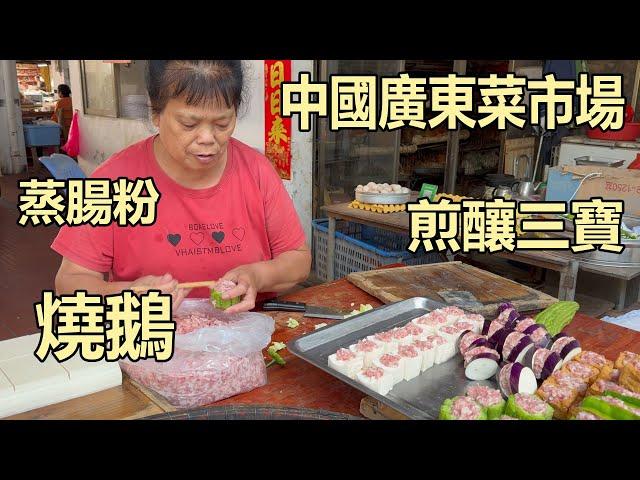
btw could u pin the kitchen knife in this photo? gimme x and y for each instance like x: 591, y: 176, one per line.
x: 308, y: 310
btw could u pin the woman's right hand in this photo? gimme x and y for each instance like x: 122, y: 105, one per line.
x: 166, y: 284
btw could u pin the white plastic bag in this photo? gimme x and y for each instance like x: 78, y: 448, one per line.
x: 202, y: 328
x: 216, y: 355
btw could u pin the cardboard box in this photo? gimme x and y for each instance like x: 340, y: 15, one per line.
x: 610, y: 184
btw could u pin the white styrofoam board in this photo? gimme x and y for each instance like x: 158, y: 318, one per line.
x: 58, y: 392
x: 6, y: 387
x: 16, y: 347
x: 26, y: 383
x: 28, y: 373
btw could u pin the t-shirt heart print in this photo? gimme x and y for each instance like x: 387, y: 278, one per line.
x: 205, y: 239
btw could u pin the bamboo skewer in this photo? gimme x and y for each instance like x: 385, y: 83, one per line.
x: 204, y: 283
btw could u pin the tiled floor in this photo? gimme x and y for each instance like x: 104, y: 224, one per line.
x: 27, y: 264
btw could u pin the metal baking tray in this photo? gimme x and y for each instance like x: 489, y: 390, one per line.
x: 383, y: 198
x: 589, y: 160
x: 419, y: 398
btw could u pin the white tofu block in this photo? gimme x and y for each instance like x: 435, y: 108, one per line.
x: 370, y: 355
x: 348, y: 368
x: 449, y: 336
x: 382, y: 385
x: 428, y: 358
x: 397, y: 372
x: 389, y: 346
x: 417, y: 332
x: 445, y: 352
x: 476, y: 320
x: 405, y: 340
x: 452, y: 318
x: 412, y: 367
x: 426, y: 329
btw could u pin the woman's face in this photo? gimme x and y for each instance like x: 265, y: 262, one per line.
x: 195, y: 137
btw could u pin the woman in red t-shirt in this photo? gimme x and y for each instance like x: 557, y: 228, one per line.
x: 223, y: 210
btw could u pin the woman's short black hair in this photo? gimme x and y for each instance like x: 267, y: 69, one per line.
x: 199, y: 81
x: 64, y: 90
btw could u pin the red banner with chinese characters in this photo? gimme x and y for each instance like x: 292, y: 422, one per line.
x: 277, y: 130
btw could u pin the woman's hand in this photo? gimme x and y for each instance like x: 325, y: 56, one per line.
x: 166, y: 284
x: 248, y: 284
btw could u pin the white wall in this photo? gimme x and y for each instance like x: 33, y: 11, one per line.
x: 101, y: 137
x: 300, y: 186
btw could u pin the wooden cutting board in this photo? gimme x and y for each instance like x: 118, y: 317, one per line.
x: 490, y: 290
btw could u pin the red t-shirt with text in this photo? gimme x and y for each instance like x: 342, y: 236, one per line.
x: 198, y: 234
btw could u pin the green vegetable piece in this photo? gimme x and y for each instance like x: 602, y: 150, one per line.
x: 496, y: 411
x: 275, y: 356
x: 599, y: 415
x: 447, y: 405
x: 513, y: 410
x: 557, y: 316
x: 292, y: 323
x: 598, y: 406
x: 631, y: 401
x: 218, y: 302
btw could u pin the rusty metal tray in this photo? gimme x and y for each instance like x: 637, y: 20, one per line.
x: 419, y: 398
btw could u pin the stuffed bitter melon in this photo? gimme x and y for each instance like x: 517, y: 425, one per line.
x: 222, y: 287
x: 557, y: 316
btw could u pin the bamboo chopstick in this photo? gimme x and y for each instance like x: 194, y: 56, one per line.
x: 204, y: 283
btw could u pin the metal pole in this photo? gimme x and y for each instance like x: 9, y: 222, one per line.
x: 453, y: 142
x: 17, y: 154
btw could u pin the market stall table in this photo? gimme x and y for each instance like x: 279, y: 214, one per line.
x: 399, y: 222
x: 299, y: 384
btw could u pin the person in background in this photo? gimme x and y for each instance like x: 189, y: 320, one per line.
x: 24, y: 100
x: 64, y: 106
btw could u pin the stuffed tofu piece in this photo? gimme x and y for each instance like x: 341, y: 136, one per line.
x: 559, y: 397
x: 476, y: 320
x: 392, y: 364
x: 376, y: 379
x: 412, y: 359
x: 369, y: 349
x: 402, y: 336
x: 444, y: 350
x: 581, y: 370
x: 593, y: 359
x: 567, y: 379
x: 428, y: 352
x: 347, y: 362
x: 385, y: 339
x: 416, y: 332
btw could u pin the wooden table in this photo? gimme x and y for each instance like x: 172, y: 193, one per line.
x: 400, y: 222
x: 299, y: 384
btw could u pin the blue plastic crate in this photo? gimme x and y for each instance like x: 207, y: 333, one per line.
x: 361, y: 247
x: 41, y: 135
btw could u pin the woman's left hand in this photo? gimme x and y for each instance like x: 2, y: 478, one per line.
x: 246, y: 278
